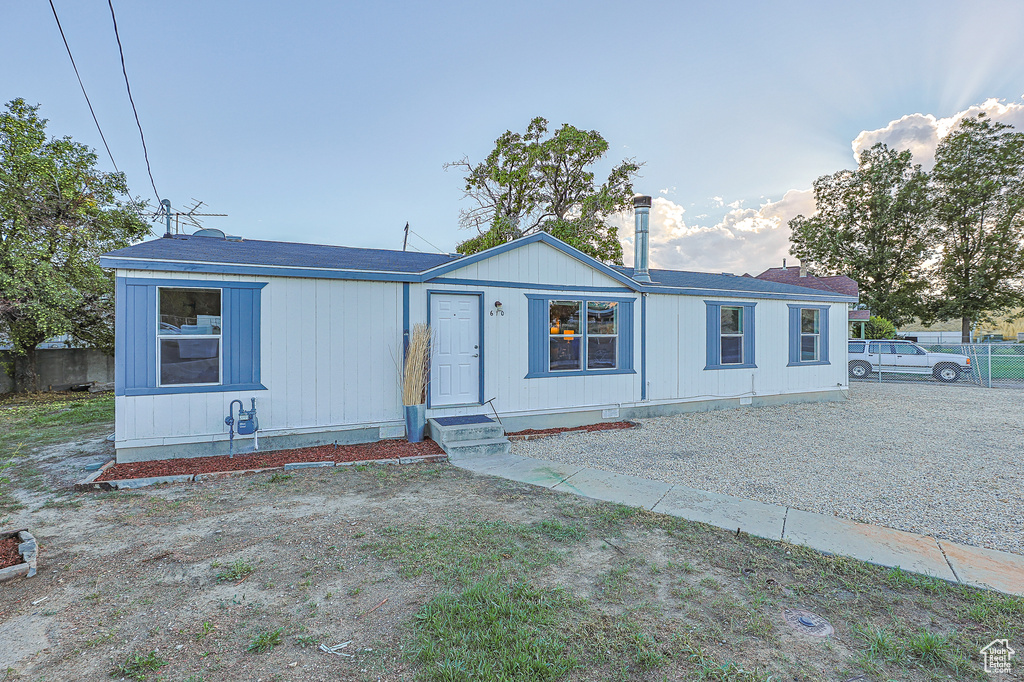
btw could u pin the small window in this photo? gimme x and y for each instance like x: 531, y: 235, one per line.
x: 883, y: 347
x: 189, y: 336
x: 732, y: 335
x: 857, y: 347
x: 810, y: 335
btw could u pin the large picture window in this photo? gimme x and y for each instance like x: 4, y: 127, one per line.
x: 579, y: 336
x: 730, y: 335
x: 189, y: 336
x: 808, y: 335
x: 573, y: 344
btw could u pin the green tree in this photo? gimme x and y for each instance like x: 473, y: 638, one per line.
x: 535, y: 182
x: 871, y: 225
x: 879, y: 328
x: 58, y: 213
x: 978, y: 196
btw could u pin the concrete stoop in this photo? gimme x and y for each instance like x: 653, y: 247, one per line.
x: 469, y: 437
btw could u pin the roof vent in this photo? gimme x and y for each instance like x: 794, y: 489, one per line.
x: 232, y: 238
x: 209, y: 232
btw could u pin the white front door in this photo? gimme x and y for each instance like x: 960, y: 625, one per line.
x: 455, y: 363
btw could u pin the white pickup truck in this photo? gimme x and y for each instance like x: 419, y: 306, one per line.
x: 905, y: 357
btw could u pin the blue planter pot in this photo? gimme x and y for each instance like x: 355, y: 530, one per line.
x: 415, y: 420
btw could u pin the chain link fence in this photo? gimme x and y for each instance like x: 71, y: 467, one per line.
x: 992, y: 365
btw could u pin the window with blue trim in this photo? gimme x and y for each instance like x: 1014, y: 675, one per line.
x: 808, y: 335
x: 730, y: 335
x: 571, y: 336
x: 187, y: 336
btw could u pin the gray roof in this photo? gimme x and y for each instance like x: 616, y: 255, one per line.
x: 286, y: 254
x: 684, y: 279
x: 215, y: 250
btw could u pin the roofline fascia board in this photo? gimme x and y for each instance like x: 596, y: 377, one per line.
x: 262, y: 270
x: 734, y: 293
x: 543, y: 237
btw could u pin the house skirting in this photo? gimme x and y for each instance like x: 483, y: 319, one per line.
x: 565, y: 418
x: 268, y: 442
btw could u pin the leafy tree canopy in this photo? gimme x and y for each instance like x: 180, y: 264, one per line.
x: 879, y: 328
x: 871, y: 224
x: 58, y: 213
x: 540, y: 182
x: 978, y: 219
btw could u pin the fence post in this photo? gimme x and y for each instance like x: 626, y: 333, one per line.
x: 990, y: 365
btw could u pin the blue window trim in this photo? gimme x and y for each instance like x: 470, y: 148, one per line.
x: 136, y: 335
x: 714, y: 334
x: 794, y: 335
x: 480, y: 295
x: 537, y: 340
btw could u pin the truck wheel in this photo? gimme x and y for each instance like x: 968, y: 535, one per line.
x: 859, y: 370
x: 946, y: 373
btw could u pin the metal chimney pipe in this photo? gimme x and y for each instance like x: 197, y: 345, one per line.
x: 641, y: 245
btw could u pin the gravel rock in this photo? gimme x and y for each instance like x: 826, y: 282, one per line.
x: 944, y: 461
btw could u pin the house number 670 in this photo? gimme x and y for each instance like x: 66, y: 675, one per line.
x: 497, y: 312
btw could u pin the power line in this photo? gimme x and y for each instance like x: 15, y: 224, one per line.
x: 424, y: 239
x: 82, y: 85
x: 145, y: 152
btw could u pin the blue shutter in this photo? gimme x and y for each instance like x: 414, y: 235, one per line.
x: 749, y: 333
x: 714, y: 330
x: 241, y: 332
x: 135, y: 337
x: 794, y: 334
x: 538, y: 335
x: 626, y: 335
x: 824, y: 335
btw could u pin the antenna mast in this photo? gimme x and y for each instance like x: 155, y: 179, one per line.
x: 405, y: 240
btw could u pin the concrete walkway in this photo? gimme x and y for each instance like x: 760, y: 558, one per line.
x: 975, y: 566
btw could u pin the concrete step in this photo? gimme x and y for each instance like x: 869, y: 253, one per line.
x: 483, y: 447
x: 443, y: 434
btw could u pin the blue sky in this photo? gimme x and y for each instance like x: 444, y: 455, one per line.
x: 330, y: 122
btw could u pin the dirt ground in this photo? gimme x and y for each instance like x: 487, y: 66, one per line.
x: 337, y: 555
x: 245, y: 578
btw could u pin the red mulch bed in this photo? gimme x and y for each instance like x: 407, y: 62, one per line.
x: 9, y: 552
x: 604, y: 426
x: 385, y: 449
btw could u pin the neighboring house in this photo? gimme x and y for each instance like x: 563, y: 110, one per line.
x: 839, y: 284
x: 535, y: 329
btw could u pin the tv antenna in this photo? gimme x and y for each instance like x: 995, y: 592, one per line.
x: 190, y: 216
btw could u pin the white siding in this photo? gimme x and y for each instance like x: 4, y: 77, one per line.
x: 535, y: 263
x: 330, y: 353
x: 327, y: 359
x: 677, y: 352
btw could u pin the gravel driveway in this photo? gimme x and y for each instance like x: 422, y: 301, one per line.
x: 945, y: 461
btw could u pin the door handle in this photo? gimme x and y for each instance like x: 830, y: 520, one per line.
x: 476, y: 355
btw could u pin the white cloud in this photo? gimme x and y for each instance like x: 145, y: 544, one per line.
x: 753, y: 240
x: 920, y: 133
x: 746, y: 240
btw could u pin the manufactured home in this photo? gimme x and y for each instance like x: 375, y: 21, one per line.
x: 533, y: 330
